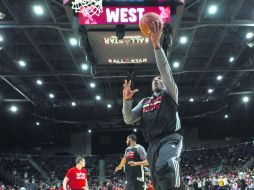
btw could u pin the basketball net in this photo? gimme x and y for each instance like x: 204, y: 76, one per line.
x: 88, y: 8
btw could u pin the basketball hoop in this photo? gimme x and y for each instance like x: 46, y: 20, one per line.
x: 88, y: 8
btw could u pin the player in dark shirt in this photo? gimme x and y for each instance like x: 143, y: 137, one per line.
x: 159, y: 119
x: 134, y: 158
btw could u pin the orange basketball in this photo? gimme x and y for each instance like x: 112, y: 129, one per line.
x: 146, y: 22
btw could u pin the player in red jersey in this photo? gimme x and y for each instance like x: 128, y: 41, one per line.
x: 76, y: 177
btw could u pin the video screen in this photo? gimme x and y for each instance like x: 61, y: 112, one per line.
x: 133, y: 49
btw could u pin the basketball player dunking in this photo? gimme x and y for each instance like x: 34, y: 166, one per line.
x: 159, y: 118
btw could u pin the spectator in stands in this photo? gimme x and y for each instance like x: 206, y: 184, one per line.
x: 109, y: 185
x: 150, y: 185
x: 2, y: 187
x: 221, y: 182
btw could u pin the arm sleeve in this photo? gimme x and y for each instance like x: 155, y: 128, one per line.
x: 125, y: 151
x: 131, y: 116
x: 166, y: 73
x: 68, y: 174
x: 142, y: 152
x: 122, y: 163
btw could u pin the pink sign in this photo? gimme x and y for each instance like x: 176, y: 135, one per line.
x: 124, y: 15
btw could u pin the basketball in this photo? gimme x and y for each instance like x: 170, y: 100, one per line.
x: 146, y: 22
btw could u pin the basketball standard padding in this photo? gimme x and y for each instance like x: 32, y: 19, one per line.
x: 146, y: 22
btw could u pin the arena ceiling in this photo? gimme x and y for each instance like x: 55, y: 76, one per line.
x: 216, y: 45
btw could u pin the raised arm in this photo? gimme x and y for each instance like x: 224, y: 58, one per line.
x: 166, y: 74
x: 130, y: 115
x: 162, y: 62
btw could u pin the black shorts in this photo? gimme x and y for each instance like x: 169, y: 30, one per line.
x: 134, y: 184
x: 163, y: 156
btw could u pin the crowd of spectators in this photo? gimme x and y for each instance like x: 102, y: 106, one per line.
x: 207, y: 169
x: 234, y: 180
x: 19, y: 173
x: 221, y: 168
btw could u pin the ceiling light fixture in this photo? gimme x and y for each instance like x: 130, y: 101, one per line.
x: 38, y: 10
x: 73, y: 41
x: 245, y: 99
x: 92, y: 85
x: 219, y: 77
x: 183, y: 40
x: 231, y: 59
x: 14, y: 109
x: 97, y: 97
x: 73, y: 104
x: 212, y: 9
x: 210, y: 90
x: 39, y: 82
x: 176, y: 64
x: 1, y: 38
x: 84, y: 66
x: 22, y: 63
x: 51, y: 95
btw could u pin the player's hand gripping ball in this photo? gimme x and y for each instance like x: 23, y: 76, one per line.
x: 146, y: 23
